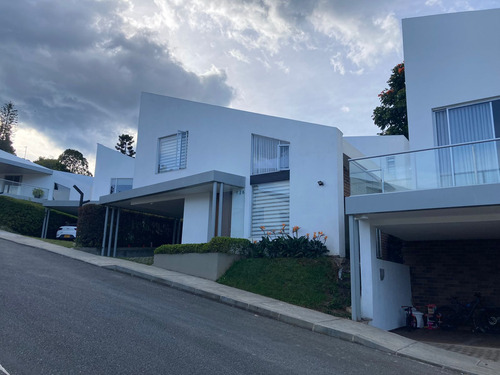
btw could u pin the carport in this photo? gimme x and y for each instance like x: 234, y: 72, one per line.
x: 200, y: 204
x: 448, y: 244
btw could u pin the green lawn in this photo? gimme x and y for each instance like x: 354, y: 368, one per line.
x: 311, y: 283
x: 68, y: 244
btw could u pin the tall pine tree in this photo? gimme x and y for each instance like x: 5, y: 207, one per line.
x: 125, y: 145
x: 8, y: 119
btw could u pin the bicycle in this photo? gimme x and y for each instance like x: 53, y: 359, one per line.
x: 411, y: 319
x: 488, y: 320
x: 458, y: 314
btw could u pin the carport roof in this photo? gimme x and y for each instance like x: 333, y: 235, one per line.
x: 67, y: 206
x: 149, y: 198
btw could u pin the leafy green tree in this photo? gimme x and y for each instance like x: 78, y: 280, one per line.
x: 8, y: 119
x: 74, y: 162
x: 391, y: 115
x: 125, y: 145
x: 51, y: 164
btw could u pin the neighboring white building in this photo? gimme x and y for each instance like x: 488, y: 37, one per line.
x: 114, y: 172
x: 23, y: 179
x: 227, y: 172
x: 441, y: 199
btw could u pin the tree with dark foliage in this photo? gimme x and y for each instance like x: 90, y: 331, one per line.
x: 8, y: 119
x: 391, y: 115
x: 125, y: 145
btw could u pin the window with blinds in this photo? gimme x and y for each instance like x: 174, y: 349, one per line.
x: 172, y: 153
x: 270, y: 207
x: 269, y: 155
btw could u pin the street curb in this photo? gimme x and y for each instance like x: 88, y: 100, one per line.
x: 311, y: 320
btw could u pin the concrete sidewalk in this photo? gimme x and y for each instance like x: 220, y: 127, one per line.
x: 312, y: 320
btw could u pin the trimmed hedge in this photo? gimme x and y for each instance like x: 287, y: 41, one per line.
x: 26, y: 218
x: 135, y: 229
x: 226, y: 245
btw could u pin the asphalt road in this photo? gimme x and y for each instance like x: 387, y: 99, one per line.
x: 62, y: 316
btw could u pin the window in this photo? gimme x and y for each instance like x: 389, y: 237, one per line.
x: 269, y: 155
x: 172, y: 153
x: 468, y: 164
x: 270, y: 207
x: 120, y: 184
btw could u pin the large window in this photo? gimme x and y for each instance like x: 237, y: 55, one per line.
x: 270, y: 207
x: 269, y: 155
x: 172, y: 153
x: 468, y: 164
x: 120, y: 184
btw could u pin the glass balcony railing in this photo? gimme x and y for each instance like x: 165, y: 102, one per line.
x: 464, y: 164
x: 13, y: 188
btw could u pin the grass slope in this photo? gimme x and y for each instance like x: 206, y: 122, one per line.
x: 311, y: 283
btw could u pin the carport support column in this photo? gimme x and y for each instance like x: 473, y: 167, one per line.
x: 104, y: 231
x: 116, y: 231
x: 355, y: 269
x: 211, y: 225
x: 111, y: 231
x: 221, y: 205
x: 45, y: 224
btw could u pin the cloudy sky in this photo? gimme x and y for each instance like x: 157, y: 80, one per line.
x: 75, y: 68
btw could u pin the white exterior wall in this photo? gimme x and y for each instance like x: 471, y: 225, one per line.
x: 449, y: 59
x: 385, y: 286
x: 110, y: 164
x: 67, y: 179
x: 220, y: 139
x: 196, y: 224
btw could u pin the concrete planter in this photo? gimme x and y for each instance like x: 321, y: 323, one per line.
x: 209, y: 266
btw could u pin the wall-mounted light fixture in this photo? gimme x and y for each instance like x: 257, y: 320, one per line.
x: 321, y: 183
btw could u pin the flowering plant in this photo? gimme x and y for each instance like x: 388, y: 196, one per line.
x: 279, y: 244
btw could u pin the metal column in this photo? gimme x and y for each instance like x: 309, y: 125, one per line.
x: 221, y: 204
x: 111, y: 231
x: 211, y: 228
x: 116, y: 231
x: 104, y: 231
x: 45, y: 225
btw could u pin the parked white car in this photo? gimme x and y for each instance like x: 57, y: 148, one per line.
x: 66, y: 232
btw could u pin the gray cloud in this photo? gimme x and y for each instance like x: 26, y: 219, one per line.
x: 75, y: 69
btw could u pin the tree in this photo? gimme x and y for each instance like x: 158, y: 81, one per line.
x: 125, y: 145
x: 74, y: 162
x: 8, y: 119
x: 51, y: 164
x: 391, y: 116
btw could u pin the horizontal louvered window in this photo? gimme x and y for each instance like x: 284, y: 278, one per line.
x: 173, y: 152
x: 270, y: 208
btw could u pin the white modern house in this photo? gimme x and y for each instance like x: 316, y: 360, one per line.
x: 438, y: 204
x: 225, y: 172
x: 23, y: 179
x: 114, y: 172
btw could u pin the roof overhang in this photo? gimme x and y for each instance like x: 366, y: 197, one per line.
x: 8, y: 166
x: 167, y: 198
x: 459, y: 213
x: 67, y: 206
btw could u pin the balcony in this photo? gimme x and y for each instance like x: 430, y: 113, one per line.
x: 465, y: 164
x: 23, y: 191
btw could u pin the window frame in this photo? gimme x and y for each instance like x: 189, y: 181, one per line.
x: 181, y: 150
x: 281, y: 146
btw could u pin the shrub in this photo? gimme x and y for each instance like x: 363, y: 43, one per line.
x: 282, y: 245
x: 26, y: 218
x: 226, y: 245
